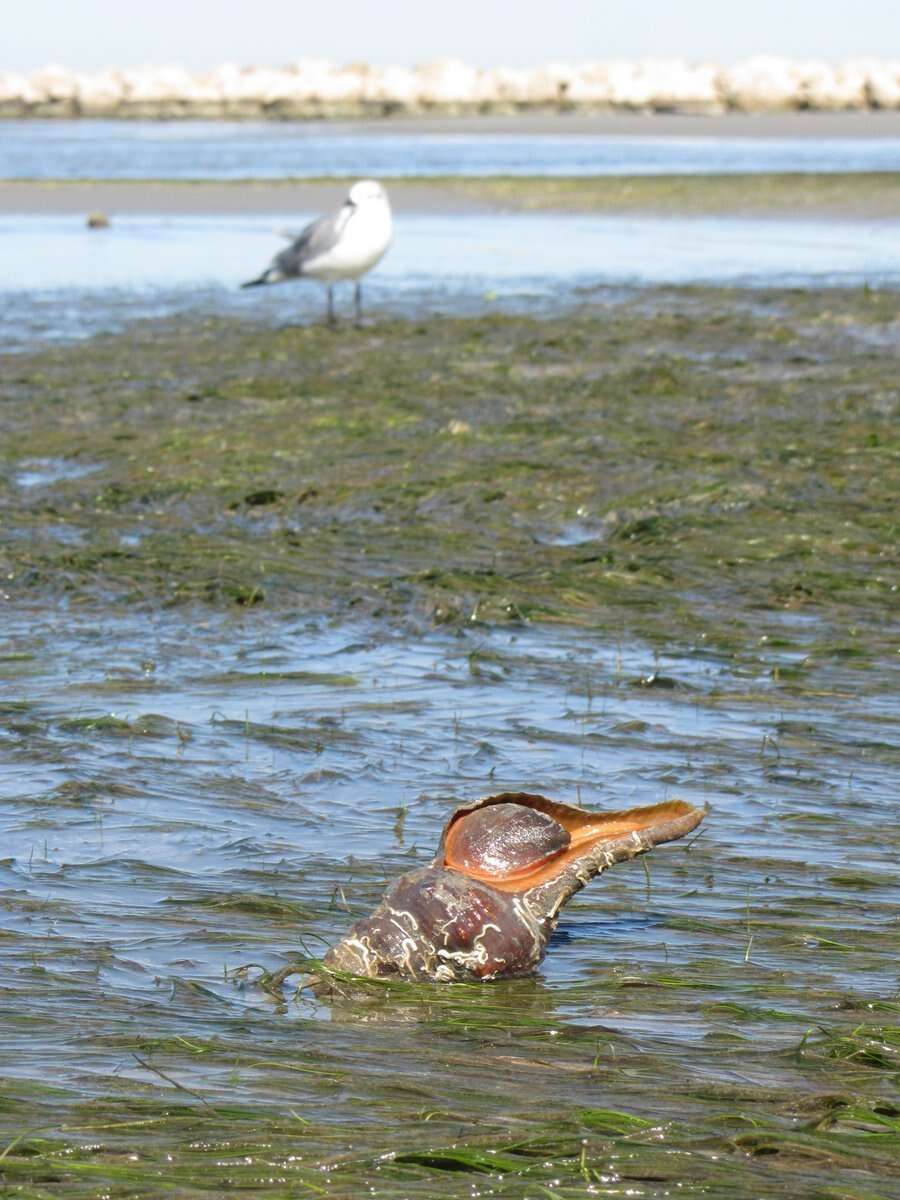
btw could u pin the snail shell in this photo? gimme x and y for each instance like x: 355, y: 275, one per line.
x: 486, y: 905
x: 504, y: 841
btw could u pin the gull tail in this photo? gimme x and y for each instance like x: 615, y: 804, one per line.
x: 266, y: 277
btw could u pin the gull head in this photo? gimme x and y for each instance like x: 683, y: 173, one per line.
x: 367, y: 191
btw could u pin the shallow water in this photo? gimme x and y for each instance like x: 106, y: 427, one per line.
x: 186, y: 791
x: 72, y: 281
x: 184, y: 794
x: 156, y: 760
x: 266, y: 150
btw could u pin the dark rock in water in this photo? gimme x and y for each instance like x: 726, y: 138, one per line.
x: 485, y: 907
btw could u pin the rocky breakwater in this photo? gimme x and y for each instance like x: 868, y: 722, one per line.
x: 315, y: 88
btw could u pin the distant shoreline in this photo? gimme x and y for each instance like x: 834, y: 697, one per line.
x: 850, y: 196
x: 315, y: 89
x: 810, y: 124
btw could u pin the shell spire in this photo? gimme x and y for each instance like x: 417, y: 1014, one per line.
x: 486, y: 905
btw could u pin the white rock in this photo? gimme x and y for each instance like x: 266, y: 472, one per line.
x: 674, y: 83
x: 307, y: 81
x: 550, y: 84
x: 149, y: 84
x: 17, y: 88
x: 290, y: 87
x: 54, y: 83
x: 824, y: 85
x: 511, y: 85
x: 590, y: 84
x: 883, y: 83
x: 630, y: 85
x: 99, y: 93
x: 756, y: 84
x: 221, y: 78
x: 258, y: 85
x: 213, y: 87
x: 269, y: 86
x: 339, y: 85
x: 391, y: 85
x: 760, y: 83
x: 485, y: 91
x: 447, y: 81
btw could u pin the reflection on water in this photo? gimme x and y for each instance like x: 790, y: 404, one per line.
x: 285, y: 150
x: 72, y: 282
x: 40, y: 472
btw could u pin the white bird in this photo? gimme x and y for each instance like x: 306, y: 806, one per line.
x: 344, y: 245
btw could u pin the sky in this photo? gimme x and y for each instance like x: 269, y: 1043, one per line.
x: 91, y: 34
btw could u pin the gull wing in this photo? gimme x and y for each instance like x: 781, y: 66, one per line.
x: 318, y: 238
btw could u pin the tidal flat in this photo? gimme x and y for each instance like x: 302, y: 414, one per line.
x: 798, y: 195
x: 276, y: 600
x: 670, y: 465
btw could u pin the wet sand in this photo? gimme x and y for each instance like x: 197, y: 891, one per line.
x: 656, y: 125
x: 858, y: 195
x: 793, y: 123
x: 163, y: 197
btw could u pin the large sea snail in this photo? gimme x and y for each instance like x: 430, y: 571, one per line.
x: 486, y: 905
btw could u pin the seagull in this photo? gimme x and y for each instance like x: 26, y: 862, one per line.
x: 344, y: 245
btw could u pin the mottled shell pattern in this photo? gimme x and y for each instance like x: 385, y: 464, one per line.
x: 486, y: 905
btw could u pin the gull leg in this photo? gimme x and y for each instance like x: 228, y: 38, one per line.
x: 357, y: 303
x: 332, y: 320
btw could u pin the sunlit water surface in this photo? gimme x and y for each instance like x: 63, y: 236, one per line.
x: 163, y: 779
x: 280, y: 150
x: 63, y: 281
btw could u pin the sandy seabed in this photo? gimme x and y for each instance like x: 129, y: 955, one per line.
x: 860, y: 196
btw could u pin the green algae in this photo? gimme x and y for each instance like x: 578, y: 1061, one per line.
x: 659, y: 465
x: 703, y: 470
x: 797, y: 195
